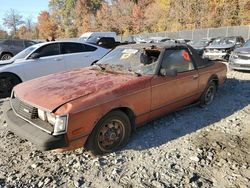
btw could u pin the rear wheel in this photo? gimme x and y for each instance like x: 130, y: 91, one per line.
x: 110, y: 133
x: 208, y: 95
x: 7, y: 82
x: 6, y: 56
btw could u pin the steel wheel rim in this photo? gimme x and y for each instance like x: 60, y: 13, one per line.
x: 6, y: 57
x: 209, y: 95
x: 111, y: 135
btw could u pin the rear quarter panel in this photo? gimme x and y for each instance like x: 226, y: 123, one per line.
x: 218, y: 69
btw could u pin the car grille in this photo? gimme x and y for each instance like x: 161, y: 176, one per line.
x: 244, y: 66
x: 30, y: 114
x: 24, y: 109
x: 240, y: 65
x: 244, y: 57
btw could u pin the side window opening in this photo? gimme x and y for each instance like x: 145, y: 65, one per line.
x: 149, y: 56
x: 177, y: 59
x: 49, y: 50
x: 68, y: 48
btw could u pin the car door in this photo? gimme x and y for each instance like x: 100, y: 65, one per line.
x: 173, y: 91
x: 78, y: 55
x: 43, y: 61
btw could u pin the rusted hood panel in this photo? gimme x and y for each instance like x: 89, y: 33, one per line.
x: 52, y: 91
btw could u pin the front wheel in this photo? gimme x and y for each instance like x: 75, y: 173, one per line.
x: 7, y: 82
x: 110, y: 133
x: 208, y: 95
x: 6, y: 56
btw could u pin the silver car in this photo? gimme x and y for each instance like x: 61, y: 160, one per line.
x: 240, y: 58
x: 221, y: 48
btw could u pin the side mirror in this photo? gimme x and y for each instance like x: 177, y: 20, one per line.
x: 168, y: 72
x: 34, y: 56
x: 100, y: 43
x: 238, y: 44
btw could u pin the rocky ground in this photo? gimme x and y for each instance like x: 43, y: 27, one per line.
x: 195, y: 147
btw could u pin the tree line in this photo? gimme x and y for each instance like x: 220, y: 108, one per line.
x: 71, y: 18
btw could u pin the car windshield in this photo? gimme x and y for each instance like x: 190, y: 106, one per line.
x: 83, y: 38
x: 224, y: 41
x: 92, y: 39
x: 247, y: 44
x: 130, y: 60
x: 24, y: 53
x: 200, y: 42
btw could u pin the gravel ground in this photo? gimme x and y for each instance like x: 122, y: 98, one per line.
x: 195, y: 147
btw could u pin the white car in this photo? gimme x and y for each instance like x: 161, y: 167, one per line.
x: 46, y: 58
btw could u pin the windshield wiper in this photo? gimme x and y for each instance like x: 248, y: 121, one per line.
x: 101, y: 66
x: 137, y: 74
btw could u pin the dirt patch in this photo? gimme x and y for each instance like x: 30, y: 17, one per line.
x: 195, y: 147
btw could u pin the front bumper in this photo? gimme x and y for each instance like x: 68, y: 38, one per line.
x: 25, y: 130
x: 239, y: 64
x: 216, y: 56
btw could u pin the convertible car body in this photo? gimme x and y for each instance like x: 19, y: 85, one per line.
x: 97, y: 107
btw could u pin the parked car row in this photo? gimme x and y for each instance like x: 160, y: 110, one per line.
x: 98, y: 107
x: 232, y: 49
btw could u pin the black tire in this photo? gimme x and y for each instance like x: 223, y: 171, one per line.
x: 7, y: 82
x: 110, y: 134
x: 208, y: 95
x: 6, y: 56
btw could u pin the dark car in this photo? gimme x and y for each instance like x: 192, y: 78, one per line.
x: 221, y: 48
x: 240, y: 58
x: 11, y: 47
x: 106, y: 42
x: 200, y: 45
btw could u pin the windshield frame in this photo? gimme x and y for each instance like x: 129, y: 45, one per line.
x: 35, y: 46
x: 130, y: 71
x: 247, y: 44
x: 221, y: 41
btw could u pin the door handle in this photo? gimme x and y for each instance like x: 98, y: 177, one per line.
x: 195, y: 77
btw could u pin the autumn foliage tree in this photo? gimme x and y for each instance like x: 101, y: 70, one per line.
x: 83, y: 16
x: 47, y: 28
x: 22, y: 32
x: 71, y: 18
x: 3, y: 34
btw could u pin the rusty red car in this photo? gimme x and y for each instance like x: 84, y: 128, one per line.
x: 98, y: 107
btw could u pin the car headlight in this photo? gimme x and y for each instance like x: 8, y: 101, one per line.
x: 234, y: 55
x: 59, y: 122
x: 41, y: 115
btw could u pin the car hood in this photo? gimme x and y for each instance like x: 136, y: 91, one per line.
x: 226, y: 46
x: 243, y: 50
x: 52, y: 91
x: 6, y: 62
